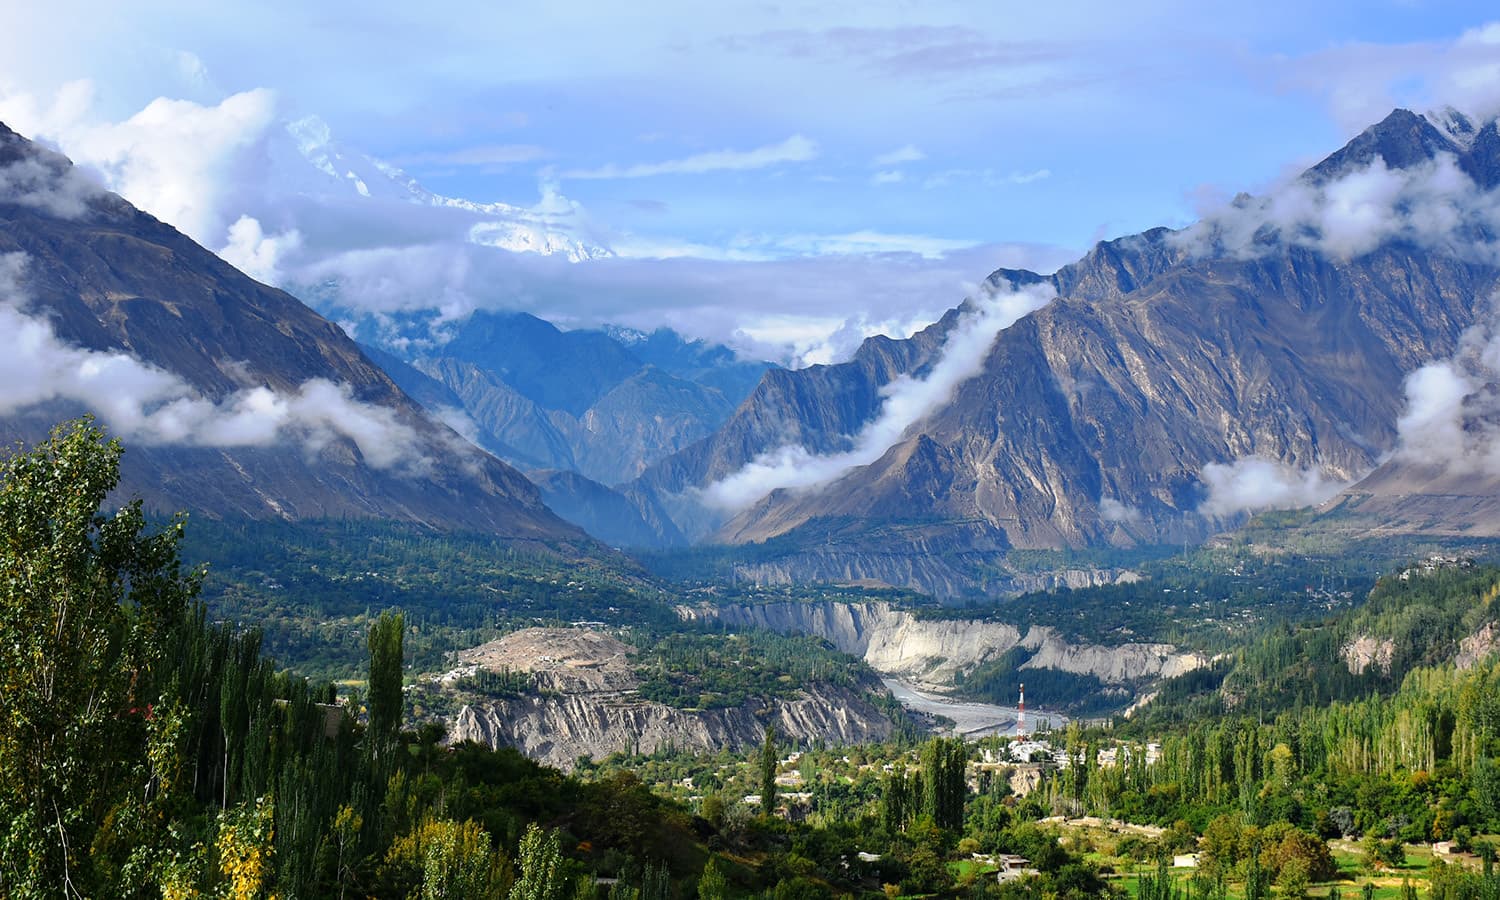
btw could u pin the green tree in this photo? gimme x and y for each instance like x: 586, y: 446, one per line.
x: 457, y: 862
x: 712, y: 885
x: 346, y: 827
x: 944, y: 764
x: 385, y: 680
x: 539, y: 861
x: 768, y: 759
x: 1294, y: 879
x: 89, y: 606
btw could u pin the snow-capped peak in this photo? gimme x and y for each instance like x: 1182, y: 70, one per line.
x: 553, y: 227
x: 1459, y: 128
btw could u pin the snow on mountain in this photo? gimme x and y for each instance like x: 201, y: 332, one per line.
x: 307, y: 160
x: 1454, y: 125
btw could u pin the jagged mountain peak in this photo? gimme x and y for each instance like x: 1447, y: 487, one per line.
x: 1402, y: 140
x: 1121, y: 412
x: 1405, y: 140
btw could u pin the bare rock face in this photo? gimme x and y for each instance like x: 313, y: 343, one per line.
x: 587, y: 706
x: 1478, y: 646
x: 1366, y: 651
x: 1122, y: 664
x: 558, y: 730
x: 566, y: 660
x: 897, y: 643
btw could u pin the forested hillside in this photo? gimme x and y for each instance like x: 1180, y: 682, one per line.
x: 151, y: 752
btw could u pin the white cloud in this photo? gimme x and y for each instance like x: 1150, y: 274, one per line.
x: 1112, y: 510
x: 796, y: 311
x: 1253, y: 483
x: 1029, y: 177
x: 1434, y: 205
x: 811, y: 340
x: 256, y: 253
x: 907, y: 402
x: 179, y: 160
x: 396, y: 263
x: 986, y: 177
x: 794, y: 149
x: 44, y: 180
x: 1452, y: 417
x: 908, y: 153
x: 1361, y: 82
x: 143, y: 403
x: 865, y: 242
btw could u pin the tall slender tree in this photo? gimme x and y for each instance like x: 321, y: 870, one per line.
x: 768, y: 758
x: 384, y: 697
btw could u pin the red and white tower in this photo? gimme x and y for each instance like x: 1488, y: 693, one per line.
x: 1021, y: 715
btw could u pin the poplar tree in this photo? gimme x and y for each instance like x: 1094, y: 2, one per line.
x: 385, y: 698
x: 768, y: 759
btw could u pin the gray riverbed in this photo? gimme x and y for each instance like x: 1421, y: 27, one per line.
x: 971, y: 719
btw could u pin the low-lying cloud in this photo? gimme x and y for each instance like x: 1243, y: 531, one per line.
x: 1434, y: 205
x: 1452, y: 417
x: 1112, y: 510
x: 907, y: 401
x: 1253, y: 483
x: 149, y: 405
x: 44, y: 180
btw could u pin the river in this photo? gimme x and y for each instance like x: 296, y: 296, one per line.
x: 971, y: 719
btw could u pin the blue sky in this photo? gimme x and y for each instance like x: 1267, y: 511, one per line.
x: 902, y: 147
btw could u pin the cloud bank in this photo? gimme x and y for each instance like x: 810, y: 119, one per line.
x: 145, y: 404
x: 1363, y: 81
x: 907, y: 402
x: 44, y: 180
x: 1434, y: 205
x: 1452, y: 416
x: 1253, y: 483
x: 1112, y: 510
x: 368, y: 246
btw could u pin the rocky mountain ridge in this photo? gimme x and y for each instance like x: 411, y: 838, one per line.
x: 235, y: 398
x: 603, y: 403
x: 1099, y: 418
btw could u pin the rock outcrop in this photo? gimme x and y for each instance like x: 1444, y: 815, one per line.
x: 1367, y: 651
x: 557, y: 730
x: 1478, y: 646
x: 898, y: 643
x: 585, y: 704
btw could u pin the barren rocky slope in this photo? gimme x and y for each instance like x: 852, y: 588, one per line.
x: 898, y: 643
x: 110, y: 278
x: 1095, y: 418
x: 587, y: 706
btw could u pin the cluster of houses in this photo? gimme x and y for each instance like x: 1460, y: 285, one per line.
x: 1040, y: 751
x: 1435, y: 563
